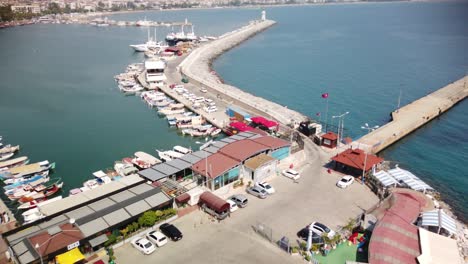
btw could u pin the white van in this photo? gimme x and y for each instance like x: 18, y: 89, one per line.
x: 233, y: 206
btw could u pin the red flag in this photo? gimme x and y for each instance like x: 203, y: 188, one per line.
x: 325, y: 95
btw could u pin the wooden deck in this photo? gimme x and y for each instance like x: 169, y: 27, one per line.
x: 414, y: 115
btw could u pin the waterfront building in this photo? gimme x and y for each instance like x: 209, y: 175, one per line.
x: 35, y: 9
x: 354, y: 161
x: 155, y: 72
x: 84, y: 220
x: 329, y: 140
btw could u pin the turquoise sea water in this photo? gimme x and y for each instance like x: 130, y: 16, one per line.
x: 59, y: 101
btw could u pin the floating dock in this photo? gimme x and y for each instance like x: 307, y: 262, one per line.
x: 414, y: 115
x: 197, y: 67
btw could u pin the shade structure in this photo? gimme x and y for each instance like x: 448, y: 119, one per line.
x: 440, y: 219
x: 70, y: 257
x: 385, y: 179
x: 409, y: 179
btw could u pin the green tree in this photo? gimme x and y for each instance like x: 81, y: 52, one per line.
x: 6, y: 14
x: 54, y: 8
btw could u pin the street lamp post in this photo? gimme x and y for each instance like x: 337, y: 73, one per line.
x: 369, y: 129
x: 340, y: 126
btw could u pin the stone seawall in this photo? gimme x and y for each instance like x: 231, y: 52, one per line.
x: 197, y: 67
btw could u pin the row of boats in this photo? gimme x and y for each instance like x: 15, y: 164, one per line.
x: 25, y: 184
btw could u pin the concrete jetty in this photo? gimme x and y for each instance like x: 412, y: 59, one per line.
x: 414, y: 115
x: 197, y: 67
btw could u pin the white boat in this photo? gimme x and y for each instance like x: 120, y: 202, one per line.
x: 143, y: 23
x: 13, y: 163
x: 124, y: 169
x: 132, y: 90
x: 32, y: 215
x: 140, y: 47
x: 169, y: 155
x: 182, y: 150
x: 6, y: 156
x: 9, y: 149
x: 34, y: 203
x: 147, y: 158
x: 216, y: 132
x: 30, y: 169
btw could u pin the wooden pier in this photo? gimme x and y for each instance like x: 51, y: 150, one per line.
x: 414, y: 115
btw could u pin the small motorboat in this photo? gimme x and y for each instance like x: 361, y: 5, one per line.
x: 4, y: 165
x: 9, y: 149
x: 34, y: 203
x: 6, y: 156
x: 216, y: 132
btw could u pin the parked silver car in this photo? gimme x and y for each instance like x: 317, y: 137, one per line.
x: 240, y: 199
x: 257, y: 191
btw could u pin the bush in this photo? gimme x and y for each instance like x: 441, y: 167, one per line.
x: 303, y: 245
x: 307, y: 258
x: 135, y: 226
x: 294, y: 250
x: 147, y: 219
x: 111, y: 239
x: 315, y: 247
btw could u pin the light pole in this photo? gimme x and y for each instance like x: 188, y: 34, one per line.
x: 369, y: 129
x: 340, y: 126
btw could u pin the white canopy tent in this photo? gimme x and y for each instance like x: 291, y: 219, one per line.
x: 440, y: 219
x: 385, y: 179
x: 409, y: 179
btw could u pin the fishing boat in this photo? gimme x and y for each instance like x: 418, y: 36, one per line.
x: 32, y: 215
x: 124, y: 169
x: 169, y: 155
x: 34, y: 190
x: 182, y: 150
x: 130, y: 90
x: 189, y: 121
x: 30, y: 169
x: 173, y: 109
x: 34, y: 203
x: 19, y: 182
x: 9, y: 149
x: 215, y: 132
x: 6, y: 156
x: 140, y: 155
x: 4, y: 165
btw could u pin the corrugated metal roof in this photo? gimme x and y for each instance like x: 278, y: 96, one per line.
x: 80, y: 212
x: 179, y: 164
x: 219, y: 144
x: 142, y: 188
x: 137, y: 208
x: 122, y: 196
x: 152, y: 175
x: 93, y: 227
x: 157, y: 199
x: 101, y: 204
x: 190, y: 158
x: 228, y: 140
x: 53, y: 221
x: 165, y: 169
x: 201, y: 154
x: 27, y: 257
x: 211, y: 149
x: 116, y: 217
x: 237, y: 137
x: 439, y: 219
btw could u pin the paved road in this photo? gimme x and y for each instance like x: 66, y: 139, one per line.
x: 314, y: 198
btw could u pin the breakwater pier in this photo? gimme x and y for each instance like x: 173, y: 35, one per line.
x: 410, y: 117
x: 197, y: 68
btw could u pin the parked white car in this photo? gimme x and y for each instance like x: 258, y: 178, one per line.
x: 157, y: 238
x: 232, y: 205
x: 210, y: 109
x: 320, y: 228
x: 266, y: 186
x: 290, y: 173
x: 345, y: 181
x: 203, y: 90
x: 143, y: 245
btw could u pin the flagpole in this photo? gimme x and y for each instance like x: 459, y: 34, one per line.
x: 326, y: 116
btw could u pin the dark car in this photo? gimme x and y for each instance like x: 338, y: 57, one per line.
x: 171, y: 232
x: 304, y: 233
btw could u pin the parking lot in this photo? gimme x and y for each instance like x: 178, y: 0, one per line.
x: 294, y: 205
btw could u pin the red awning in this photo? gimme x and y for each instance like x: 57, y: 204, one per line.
x: 263, y: 121
x: 214, y: 202
x: 240, y: 126
x: 183, y: 198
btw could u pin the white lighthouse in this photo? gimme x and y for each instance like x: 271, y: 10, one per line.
x: 263, y: 15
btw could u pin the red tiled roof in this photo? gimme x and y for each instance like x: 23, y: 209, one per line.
x: 242, y: 149
x: 330, y: 136
x: 355, y: 158
x: 49, y: 244
x: 217, y: 165
x: 272, y: 142
x: 395, y: 238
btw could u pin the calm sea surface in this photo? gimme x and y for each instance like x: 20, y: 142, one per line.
x: 59, y: 101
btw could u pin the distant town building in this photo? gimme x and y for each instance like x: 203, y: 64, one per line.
x: 35, y: 9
